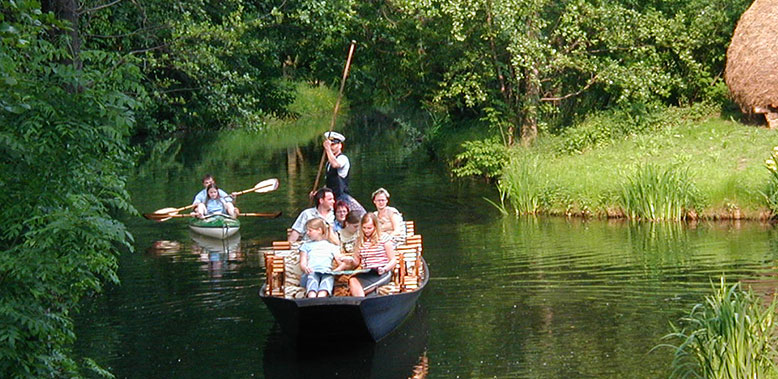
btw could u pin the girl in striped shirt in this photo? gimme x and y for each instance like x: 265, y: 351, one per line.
x: 375, y: 251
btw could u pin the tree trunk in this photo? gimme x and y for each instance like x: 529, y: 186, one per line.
x: 67, y: 10
x: 529, y: 127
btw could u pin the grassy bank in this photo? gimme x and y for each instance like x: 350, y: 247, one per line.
x: 722, y: 161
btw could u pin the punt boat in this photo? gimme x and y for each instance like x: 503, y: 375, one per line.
x: 369, y: 318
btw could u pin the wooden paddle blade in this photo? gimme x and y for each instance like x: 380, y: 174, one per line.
x: 266, y: 215
x: 165, y: 211
x: 266, y: 186
x: 163, y: 217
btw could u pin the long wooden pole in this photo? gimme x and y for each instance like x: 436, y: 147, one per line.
x: 335, y: 113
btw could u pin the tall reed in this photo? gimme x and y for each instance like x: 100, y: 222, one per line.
x: 771, y: 191
x: 731, y: 335
x: 524, y: 186
x: 656, y: 194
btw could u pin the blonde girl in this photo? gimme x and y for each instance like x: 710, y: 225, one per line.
x: 374, y: 251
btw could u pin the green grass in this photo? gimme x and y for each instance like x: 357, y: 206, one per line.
x: 724, y: 159
x: 729, y: 336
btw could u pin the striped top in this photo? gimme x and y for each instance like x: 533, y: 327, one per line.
x: 374, y: 256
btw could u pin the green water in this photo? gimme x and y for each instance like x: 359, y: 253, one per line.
x: 534, y: 298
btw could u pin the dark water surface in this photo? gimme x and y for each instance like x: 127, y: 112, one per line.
x: 534, y: 298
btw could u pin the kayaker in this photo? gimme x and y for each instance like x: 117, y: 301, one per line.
x: 338, y: 170
x: 214, y: 204
x: 202, y: 196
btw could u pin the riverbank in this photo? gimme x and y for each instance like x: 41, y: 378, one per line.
x: 721, y: 160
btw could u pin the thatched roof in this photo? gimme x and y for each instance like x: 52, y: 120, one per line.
x: 752, y: 59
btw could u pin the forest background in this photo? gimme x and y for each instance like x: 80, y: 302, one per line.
x: 496, y: 87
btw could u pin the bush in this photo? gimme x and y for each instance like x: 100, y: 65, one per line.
x: 482, y: 158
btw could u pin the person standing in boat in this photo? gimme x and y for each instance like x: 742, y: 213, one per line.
x: 214, y: 204
x: 375, y: 251
x: 316, y: 257
x: 325, y: 202
x: 202, y: 196
x: 338, y: 171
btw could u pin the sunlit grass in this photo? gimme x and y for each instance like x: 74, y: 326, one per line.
x: 731, y: 335
x: 725, y: 160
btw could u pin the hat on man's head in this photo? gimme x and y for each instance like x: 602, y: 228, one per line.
x: 334, y: 136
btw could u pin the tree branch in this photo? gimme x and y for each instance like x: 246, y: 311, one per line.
x: 569, y: 95
x: 97, y: 8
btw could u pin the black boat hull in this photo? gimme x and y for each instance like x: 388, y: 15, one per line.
x: 359, y: 318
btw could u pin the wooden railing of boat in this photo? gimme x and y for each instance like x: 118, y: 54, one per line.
x: 407, y: 274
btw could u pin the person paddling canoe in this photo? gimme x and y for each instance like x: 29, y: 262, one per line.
x: 338, y: 168
x: 202, y: 197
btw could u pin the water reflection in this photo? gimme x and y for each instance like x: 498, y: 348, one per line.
x: 218, y: 254
x: 403, y: 354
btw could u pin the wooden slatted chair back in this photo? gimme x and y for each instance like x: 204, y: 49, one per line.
x: 410, y: 228
x: 275, y: 268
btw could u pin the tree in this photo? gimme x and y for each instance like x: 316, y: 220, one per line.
x: 65, y: 118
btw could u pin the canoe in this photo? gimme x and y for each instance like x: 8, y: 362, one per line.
x: 217, y: 226
x: 346, y: 318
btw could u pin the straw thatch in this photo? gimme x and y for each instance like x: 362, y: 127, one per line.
x: 752, y: 61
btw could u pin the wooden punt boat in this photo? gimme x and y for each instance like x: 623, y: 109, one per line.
x: 348, y: 318
x: 216, y: 226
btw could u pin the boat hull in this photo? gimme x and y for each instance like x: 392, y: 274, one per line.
x: 218, y: 227
x: 355, y: 318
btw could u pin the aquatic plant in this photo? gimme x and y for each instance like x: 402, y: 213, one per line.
x: 731, y: 335
x: 655, y: 194
x: 771, y: 191
x: 524, y: 188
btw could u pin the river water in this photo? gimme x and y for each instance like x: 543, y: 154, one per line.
x: 508, y: 297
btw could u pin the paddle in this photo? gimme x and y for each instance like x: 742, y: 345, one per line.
x: 165, y: 217
x: 335, y: 112
x: 264, y: 186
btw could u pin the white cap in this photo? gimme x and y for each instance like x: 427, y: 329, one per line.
x: 334, y: 136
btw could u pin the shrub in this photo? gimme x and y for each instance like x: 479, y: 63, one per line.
x: 483, y: 158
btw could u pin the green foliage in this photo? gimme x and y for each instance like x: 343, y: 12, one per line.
x: 483, y: 158
x: 657, y: 194
x: 771, y: 190
x: 543, y: 62
x: 731, y: 335
x: 63, y: 134
x: 603, y: 128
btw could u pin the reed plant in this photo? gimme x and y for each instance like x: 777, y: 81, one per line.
x: 523, y: 185
x: 771, y: 191
x: 656, y: 194
x: 731, y: 335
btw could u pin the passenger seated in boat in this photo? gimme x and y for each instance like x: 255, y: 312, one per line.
x: 325, y: 201
x: 202, y: 196
x: 348, y: 238
x: 316, y: 257
x: 375, y: 251
x: 390, y: 220
x: 214, y: 204
x: 341, y: 210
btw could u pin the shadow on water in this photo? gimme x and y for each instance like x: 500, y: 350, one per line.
x: 403, y: 354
